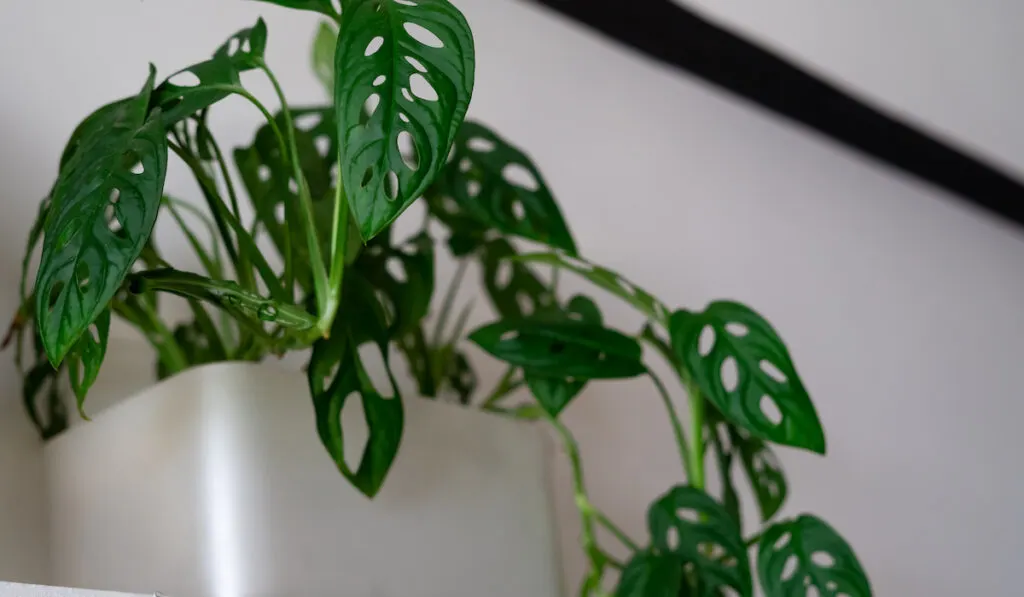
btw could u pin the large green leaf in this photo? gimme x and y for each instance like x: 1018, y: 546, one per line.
x: 413, y: 63
x: 321, y: 6
x: 807, y: 552
x: 605, y: 278
x: 764, y: 470
x: 742, y: 366
x: 651, y: 574
x: 550, y: 347
x: 324, y: 43
x: 335, y: 373
x: 226, y: 294
x: 199, y: 86
x: 499, y: 185
x: 105, y: 203
x: 85, y: 359
x: 514, y: 289
x: 690, y: 524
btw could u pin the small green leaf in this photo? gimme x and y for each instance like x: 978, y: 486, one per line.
x: 105, y: 203
x: 500, y: 186
x: 554, y: 393
x: 514, y: 289
x: 413, y: 62
x: 226, y: 294
x: 605, y: 278
x: 690, y: 524
x: 199, y: 86
x: 807, y: 552
x: 86, y: 357
x: 335, y: 373
x: 405, y: 274
x: 562, y: 348
x: 764, y: 471
x: 43, y: 381
x: 724, y: 454
x: 323, y: 54
x: 650, y: 574
x: 742, y: 366
x: 321, y: 6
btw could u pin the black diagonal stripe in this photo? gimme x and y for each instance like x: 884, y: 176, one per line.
x: 672, y: 34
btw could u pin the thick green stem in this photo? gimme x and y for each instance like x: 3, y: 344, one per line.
x: 326, y: 300
x: 696, y: 436
x: 677, y: 426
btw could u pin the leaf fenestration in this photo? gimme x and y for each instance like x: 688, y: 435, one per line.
x: 86, y: 357
x: 105, y: 204
x: 413, y: 63
x: 742, y: 366
x: 808, y: 552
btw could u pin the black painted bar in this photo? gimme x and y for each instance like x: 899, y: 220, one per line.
x: 672, y: 34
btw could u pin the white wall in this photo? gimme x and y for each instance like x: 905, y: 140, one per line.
x: 901, y: 307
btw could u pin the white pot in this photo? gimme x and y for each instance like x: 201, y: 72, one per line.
x: 214, y: 484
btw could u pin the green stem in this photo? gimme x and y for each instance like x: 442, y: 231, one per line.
x: 696, y: 436
x: 327, y: 297
x: 501, y: 390
x: 677, y: 426
x: 449, y: 300
x: 604, y: 521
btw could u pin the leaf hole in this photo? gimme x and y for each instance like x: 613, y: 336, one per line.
x: 503, y: 275
x: 279, y: 213
x: 367, y: 177
x: 293, y: 186
x: 323, y: 145
x: 336, y: 5
x: 408, y: 95
x: 82, y: 274
x: 465, y: 165
x: 518, y: 211
x: 416, y: 64
x: 782, y: 541
x: 526, y: 303
x: 391, y: 185
x: 771, y: 410
x: 138, y: 168
x: 672, y: 538
x: 520, y: 176
x: 376, y: 369
x: 706, y: 342
x: 407, y: 148
x: 737, y: 329
x: 473, y: 188
x: 380, y: 80
x: 263, y: 172
x: 371, y: 103
x: 688, y: 514
x: 507, y: 335
x: 730, y: 374
x: 374, y: 46
x: 772, y: 371
x: 396, y: 268
x: 481, y: 145
x: 422, y: 88
x: 423, y: 35
x: 712, y: 550
x: 246, y: 46
x: 406, y: 2
x: 355, y: 431
x: 812, y: 591
x: 404, y: 118
x: 115, y: 196
x: 789, y: 568
x: 308, y: 121
x: 94, y: 332
x: 185, y: 78
x: 823, y: 559
x: 233, y: 45
x: 832, y: 586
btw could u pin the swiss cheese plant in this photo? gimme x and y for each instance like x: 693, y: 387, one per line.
x: 324, y: 183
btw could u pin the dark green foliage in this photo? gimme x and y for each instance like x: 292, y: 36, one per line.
x: 807, y: 552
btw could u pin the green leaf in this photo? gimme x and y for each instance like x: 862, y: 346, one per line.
x: 764, y: 471
x: 335, y: 373
x: 414, y: 61
x: 807, y: 552
x: 104, y: 206
x: 43, y: 381
x: 724, y: 454
x: 323, y: 54
x: 86, y: 357
x: 227, y: 294
x: 405, y: 275
x: 742, y: 366
x: 605, y: 278
x: 321, y: 6
x: 461, y: 377
x: 500, y: 186
x: 562, y: 348
x: 650, y: 574
x: 690, y: 524
x: 201, y: 85
x: 554, y: 393
x: 513, y: 288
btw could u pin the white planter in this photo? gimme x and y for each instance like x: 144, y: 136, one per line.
x: 214, y: 484
x: 9, y: 589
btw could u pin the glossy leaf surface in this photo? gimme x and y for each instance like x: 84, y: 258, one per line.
x: 335, y: 374
x: 807, y: 552
x: 201, y: 85
x: 413, y: 63
x: 85, y: 359
x: 562, y: 348
x: 324, y: 7
x: 764, y: 470
x: 742, y: 366
x: 105, y: 203
x: 605, y: 278
x: 499, y: 185
x: 650, y: 574
x: 690, y: 524
x: 555, y: 393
